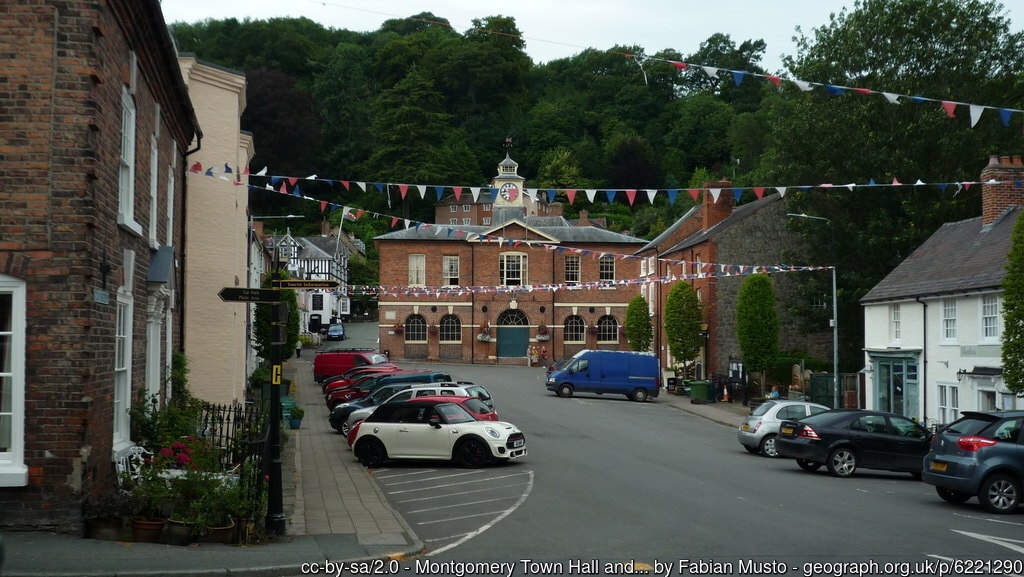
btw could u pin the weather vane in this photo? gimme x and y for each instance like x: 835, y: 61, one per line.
x: 508, y: 143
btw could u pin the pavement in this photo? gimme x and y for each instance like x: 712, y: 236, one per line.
x: 335, y: 513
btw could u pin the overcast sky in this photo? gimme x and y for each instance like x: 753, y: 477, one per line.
x: 561, y: 28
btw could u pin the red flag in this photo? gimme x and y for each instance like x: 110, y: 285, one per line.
x: 197, y: 167
x: 950, y: 108
x: 693, y: 192
x: 571, y: 194
x: 758, y: 191
x: 345, y: 184
x: 402, y: 189
x: 292, y: 180
x: 678, y: 65
x: 458, y: 192
x: 631, y: 195
x: 774, y: 80
x: 323, y: 205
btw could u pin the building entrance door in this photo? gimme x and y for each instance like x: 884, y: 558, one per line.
x: 513, y: 334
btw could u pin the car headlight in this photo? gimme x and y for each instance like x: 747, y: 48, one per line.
x: 492, y: 432
x: 551, y: 380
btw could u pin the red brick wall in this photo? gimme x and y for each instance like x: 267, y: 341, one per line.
x: 60, y: 140
x: 479, y: 268
x: 995, y: 198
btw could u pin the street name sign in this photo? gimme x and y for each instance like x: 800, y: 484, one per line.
x: 306, y: 284
x: 249, y: 295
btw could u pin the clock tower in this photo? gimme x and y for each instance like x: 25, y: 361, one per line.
x: 509, y: 185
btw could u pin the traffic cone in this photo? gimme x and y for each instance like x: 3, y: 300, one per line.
x: 725, y: 394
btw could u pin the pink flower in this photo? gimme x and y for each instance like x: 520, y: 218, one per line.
x: 166, y: 452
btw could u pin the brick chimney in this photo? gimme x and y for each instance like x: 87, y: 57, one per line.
x: 716, y: 212
x: 325, y: 228
x: 996, y: 198
x: 584, y: 221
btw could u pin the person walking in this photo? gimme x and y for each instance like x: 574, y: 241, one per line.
x: 298, y: 348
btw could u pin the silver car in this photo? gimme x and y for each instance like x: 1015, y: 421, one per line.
x: 757, y: 433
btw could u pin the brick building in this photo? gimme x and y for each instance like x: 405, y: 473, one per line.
x: 481, y: 293
x: 717, y: 232
x: 96, y: 124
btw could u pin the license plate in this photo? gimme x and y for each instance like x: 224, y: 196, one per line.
x: 787, y: 430
x: 936, y: 466
x: 518, y: 442
x: 745, y: 427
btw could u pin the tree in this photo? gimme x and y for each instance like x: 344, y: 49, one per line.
x: 263, y: 333
x: 905, y: 47
x: 1013, y: 313
x: 757, y: 324
x: 639, y: 331
x: 682, y: 323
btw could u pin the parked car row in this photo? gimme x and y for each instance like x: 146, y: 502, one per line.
x: 980, y: 455
x: 412, y: 414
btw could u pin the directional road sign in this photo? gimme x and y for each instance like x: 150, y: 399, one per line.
x: 306, y: 284
x: 249, y: 295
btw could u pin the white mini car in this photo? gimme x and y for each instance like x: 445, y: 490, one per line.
x: 437, y: 430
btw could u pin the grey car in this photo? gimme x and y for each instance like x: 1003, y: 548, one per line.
x: 979, y: 455
x: 758, y: 432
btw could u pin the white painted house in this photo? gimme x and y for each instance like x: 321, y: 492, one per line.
x: 933, y: 327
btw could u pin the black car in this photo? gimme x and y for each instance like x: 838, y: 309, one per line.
x: 341, y: 412
x: 847, y: 439
x: 979, y: 455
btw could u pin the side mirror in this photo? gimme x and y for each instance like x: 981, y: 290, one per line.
x: 434, y: 421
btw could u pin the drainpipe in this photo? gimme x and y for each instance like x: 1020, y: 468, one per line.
x: 924, y: 360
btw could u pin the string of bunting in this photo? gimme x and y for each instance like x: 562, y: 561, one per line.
x: 715, y: 271
x: 700, y: 269
x: 291, y: 185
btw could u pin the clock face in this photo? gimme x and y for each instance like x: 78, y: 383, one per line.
x: 509, y: 191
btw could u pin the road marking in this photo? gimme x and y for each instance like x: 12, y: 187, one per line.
x: 466, y: 504
x: 435, y: 487
x: 506, y: 513
x: 1001, y: 541
x: 459, y: 494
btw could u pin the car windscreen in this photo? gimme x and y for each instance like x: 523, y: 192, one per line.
x: 971, y: 425
x: 376, y: 359
x: 453, y: 414
x: 763, y: 408
x: 478, y: 406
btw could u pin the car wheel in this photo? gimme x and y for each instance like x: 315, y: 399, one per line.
x: 768, y: 447
x: 808, y: 465
x: 999, y: 493
x: 639, y: 395
x: 951, y: 496
x: 371, y: 452
x: 344, y: 429
x: 842, y: 462
x: 565, y: 390
x: 472, y: 453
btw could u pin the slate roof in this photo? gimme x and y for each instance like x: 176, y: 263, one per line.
x: 556, y: 227
x: 960, y: 257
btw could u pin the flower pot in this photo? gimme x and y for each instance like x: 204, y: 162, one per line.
x: 147, y: 530
x: 224, y: 534
x: 178, y: 533
x: 104, y: 529
x: 294, y: 424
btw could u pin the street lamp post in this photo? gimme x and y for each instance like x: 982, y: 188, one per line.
x: 835, y: 311
x: 275, y: 521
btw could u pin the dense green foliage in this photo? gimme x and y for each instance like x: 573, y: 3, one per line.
x: 639, y: 331
x: 418, y: 102
x: 682, y: 325
x: 1013, y: 314
x: 757, y: 324
x: 263, y: 332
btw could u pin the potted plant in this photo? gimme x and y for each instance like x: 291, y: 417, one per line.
x: 484, y: 334
x: 398, y: 328
x: 295, y: 420
x: 202, y: 507
x: 542, y: 333
x: 105, y: 514
x: 154, y: 503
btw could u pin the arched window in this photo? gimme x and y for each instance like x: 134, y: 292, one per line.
x: 513, y: 318
x: 607, y: 329
x: 575, y: 330
x: 450, y: 329
x: 415, y: 329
